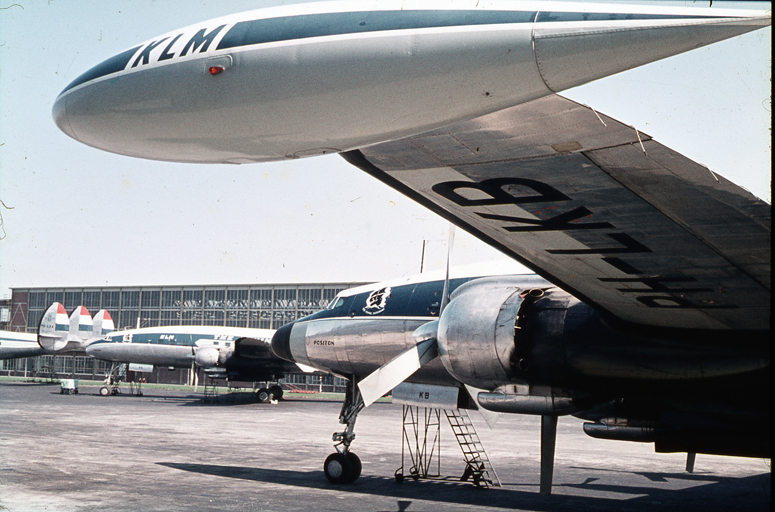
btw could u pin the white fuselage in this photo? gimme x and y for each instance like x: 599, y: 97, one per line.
x: 20, y: 344
x: 171, y: 345
x: 304, y: 80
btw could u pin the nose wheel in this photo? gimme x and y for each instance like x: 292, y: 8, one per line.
x: 343, y: 466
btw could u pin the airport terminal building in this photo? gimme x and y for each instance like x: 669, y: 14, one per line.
x: 262, y: 306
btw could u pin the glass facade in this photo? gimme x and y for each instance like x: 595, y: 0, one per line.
x: 266, y: 306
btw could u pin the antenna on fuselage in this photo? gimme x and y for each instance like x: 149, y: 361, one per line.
x: 422, y: 255
x: 445, y: 293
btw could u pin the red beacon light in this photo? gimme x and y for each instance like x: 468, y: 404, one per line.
x: 215, y: 70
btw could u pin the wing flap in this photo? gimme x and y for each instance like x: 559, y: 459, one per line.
x: 621, y: 221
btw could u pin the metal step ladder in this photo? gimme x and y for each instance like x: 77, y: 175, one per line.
x: 210, y: 392
x: 478, y: 467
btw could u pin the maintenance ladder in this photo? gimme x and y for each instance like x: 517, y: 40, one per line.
x: 210, y: 392
x: 478, y: 467
x: 421, y: 442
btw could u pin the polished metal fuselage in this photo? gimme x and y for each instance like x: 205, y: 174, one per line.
x: 358, y: 346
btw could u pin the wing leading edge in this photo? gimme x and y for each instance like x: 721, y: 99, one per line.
x: 619, y: 220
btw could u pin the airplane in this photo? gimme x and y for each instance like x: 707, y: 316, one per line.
x: 57, y: 333
x: 241, y: 354
x: 18, y: 345
x: 652, y: 263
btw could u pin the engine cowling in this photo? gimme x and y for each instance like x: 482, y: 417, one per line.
x: 207, y: 357
x: 479, y: 330
x: 502, y: 331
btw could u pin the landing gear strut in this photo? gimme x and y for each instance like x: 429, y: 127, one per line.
x: 344, y: 467
x: 113, y: 378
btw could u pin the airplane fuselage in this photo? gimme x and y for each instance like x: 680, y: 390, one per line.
x: 304, y: 80
x: 241, y: 352
x: 526, y: 341
x: 14, y: 345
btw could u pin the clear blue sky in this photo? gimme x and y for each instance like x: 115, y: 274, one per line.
x: 77, y: 216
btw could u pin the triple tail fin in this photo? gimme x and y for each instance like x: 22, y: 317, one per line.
x: 81, y: 327
x: 57, y: 332
x: 53, y: 328
x: 103, y: 325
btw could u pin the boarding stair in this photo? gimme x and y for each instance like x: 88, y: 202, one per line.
x: 478, y: 467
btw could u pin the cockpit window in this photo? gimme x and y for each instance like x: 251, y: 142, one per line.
x: 337, y: 302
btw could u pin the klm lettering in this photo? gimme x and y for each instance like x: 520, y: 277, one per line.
x: 199, y: 42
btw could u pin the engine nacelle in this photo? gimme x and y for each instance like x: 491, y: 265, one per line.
x: 500, y: 331
x: 479, y: 330
x: 207, y: 357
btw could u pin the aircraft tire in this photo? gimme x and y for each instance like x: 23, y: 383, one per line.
x: 104, y: 391
x: 338, y: 468
x: 263, y: 395
x: 357, y: 467
x: 277, y: 392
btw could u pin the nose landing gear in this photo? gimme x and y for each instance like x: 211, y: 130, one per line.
x: 344, y: 467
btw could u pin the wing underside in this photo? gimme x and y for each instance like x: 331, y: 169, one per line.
x: 621, y: 221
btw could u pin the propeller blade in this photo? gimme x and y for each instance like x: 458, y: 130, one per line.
x: 305, y: 368
x: 397, y: 370
x: 490, y: 417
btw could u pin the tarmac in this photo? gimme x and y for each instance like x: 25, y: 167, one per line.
x: 168, y: 450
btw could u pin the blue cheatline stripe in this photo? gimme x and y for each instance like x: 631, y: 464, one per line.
x: 246, y: 33
x: 545, y: 17
x: 112, y: 65
x: 62, y: 327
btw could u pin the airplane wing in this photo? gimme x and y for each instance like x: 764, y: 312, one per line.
x: 253, y: 348
x: 624, y: 223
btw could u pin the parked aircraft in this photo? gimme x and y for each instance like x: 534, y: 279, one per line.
x: 16, y: 345
x: 655, y: 262
x: 57, y: 333
x: 224, y: 352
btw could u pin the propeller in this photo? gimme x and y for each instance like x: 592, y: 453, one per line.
x: 401, y: 367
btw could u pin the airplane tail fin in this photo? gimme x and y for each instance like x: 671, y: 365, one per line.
x: 81, y: 328
x: 53, y: 328
x: 103, y: 325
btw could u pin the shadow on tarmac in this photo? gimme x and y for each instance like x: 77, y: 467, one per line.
x: 31, y: 384
x: 711, y: 492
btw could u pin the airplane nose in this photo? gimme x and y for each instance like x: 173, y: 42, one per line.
x: 59, y: 113
x: 281, y: 342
